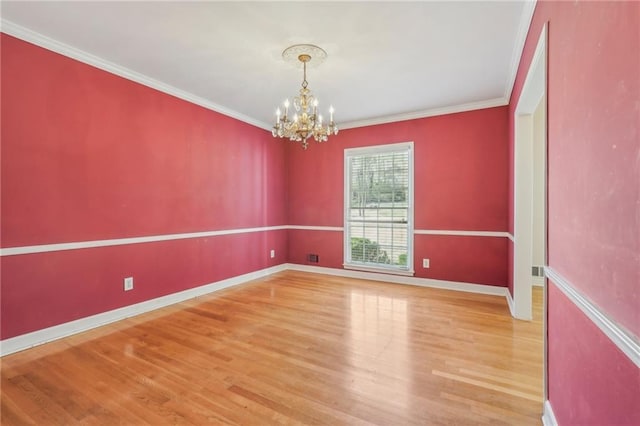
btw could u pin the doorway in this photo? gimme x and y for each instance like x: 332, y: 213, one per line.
x: 530, y: 191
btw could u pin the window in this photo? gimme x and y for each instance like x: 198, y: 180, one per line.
x: 378, y: 216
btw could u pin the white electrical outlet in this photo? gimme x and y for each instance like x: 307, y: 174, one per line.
x: 273, y: 253
x: 128, y: 283
x: 425, y: 263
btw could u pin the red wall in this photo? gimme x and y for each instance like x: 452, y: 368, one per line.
x: 592, y: 381
x: 87, y: 155
x: 461, y: 183
x: 593, y: 200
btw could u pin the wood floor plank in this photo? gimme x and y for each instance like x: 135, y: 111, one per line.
x: 292, y: 348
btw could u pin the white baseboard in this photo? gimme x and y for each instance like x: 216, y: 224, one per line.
x: 29, y: 340
x: 399, y: 279
x: 548, y: 418
x: 511, y: 304
x: 26, y: 341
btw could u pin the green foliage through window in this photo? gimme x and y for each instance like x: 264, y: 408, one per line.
x: 367, y: 251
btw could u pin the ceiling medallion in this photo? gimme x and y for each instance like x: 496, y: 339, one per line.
x: 306, y: 121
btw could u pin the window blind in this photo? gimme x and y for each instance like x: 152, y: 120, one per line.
x: 378, y: 192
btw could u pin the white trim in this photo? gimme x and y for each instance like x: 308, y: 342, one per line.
x: 462, y: 233
x: 548, y: 418
x: 38, y: 39
x: 417, y: 231
x: 398, y: 279
x: 528, y: 9
x: 511, y: 237
x: 377, y: 149
x: 35, y: 338
x: 510, y: 303
x: 523, y: 217
x: 534, y: 86
x: 43, y: 248
x: 381, y: 270
x: 393, y: 148
x: 453, y: 109
x: 26, y: 341
x: 316, y: 228
x: 12, y: 251
x: 623, y: 339
x: 533, y: 89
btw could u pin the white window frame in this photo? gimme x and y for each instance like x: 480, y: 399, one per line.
x: 379, y: 149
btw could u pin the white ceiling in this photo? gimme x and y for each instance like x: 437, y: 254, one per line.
x: 386, y: 60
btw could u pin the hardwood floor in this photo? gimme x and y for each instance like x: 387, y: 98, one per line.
x: 288, y: 349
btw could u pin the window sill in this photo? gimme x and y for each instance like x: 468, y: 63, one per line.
x: 388, y: 271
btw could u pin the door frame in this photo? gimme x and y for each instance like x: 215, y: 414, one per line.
x: 535, y: 89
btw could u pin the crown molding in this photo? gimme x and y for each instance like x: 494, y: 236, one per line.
x: 489, y: 103
x: 523, y: 30
x: 48, y: 43
x: 53, y: 45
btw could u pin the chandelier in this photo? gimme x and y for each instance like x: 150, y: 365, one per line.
x: 306, y: 122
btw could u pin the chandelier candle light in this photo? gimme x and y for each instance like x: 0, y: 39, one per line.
x: 306, y: 121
